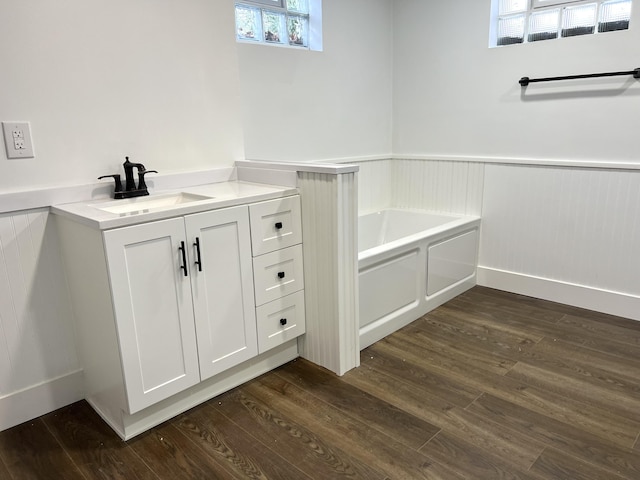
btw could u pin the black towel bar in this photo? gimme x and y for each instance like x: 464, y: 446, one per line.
x: 524, y: 81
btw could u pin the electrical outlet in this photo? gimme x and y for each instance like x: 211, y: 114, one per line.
x: 17, y: 139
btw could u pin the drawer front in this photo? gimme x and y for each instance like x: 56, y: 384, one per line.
x: 280, y: 321
x: 275, y: 224
x: 277, y: 274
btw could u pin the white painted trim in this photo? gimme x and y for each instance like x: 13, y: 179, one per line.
x: 60, y: 194
x: 356, y: 159
x: 541, y: 162
x: 37, y: 400
x: 361, y: 159
x: 328, y: 168
x: 606, y: 301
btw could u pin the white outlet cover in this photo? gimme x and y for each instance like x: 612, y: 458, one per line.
x: 18, y: 130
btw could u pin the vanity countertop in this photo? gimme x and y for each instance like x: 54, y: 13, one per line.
x: 159, y: 205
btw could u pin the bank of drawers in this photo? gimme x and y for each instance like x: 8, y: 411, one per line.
x: 276, y: 241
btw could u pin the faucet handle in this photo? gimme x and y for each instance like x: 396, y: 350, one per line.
x: 141, y: 173
x: 116, y: 177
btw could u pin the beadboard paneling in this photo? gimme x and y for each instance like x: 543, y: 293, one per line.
x: 574, y: 226
x: 329, y: 223
x: 36, y: 336
x: 436, y: 185
x: 374, y: 185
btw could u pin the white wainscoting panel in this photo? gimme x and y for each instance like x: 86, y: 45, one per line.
x: 438, y: 185
x: 570, y: 226
x: 374, y: 185
x: 36, y: 335
x: 330, y: 239
x: 446, y: 186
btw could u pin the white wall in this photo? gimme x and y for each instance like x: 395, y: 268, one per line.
x: 455, y: 96
x: 155, y: 80
x: 303, y: 105
x: 563, y: 233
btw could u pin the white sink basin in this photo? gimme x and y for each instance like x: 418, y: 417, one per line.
x: 130, y: 206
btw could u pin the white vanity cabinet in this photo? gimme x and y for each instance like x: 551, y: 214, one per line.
x: 183, y: 300
x: 166, y: 309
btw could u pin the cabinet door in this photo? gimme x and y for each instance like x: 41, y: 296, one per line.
x: 222, y: 287
x: 153, y: 310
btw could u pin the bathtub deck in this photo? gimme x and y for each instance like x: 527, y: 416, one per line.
x: 489, y: 385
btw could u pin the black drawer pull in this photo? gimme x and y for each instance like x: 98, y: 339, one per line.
x: 280, y: 274
x: 278, y: 225
x: 283, y: 321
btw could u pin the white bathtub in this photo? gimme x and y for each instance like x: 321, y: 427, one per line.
x: 409, y: 263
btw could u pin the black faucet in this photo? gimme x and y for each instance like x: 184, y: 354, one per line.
x: 130, y: 189
x: 130, y: 184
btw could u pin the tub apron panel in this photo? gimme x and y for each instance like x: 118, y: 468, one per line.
x: 401, y: 280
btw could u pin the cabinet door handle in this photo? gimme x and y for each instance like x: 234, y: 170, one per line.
x: 280, y: 274
x: 283, y: 321
x: 184, y: 259
x: 278, y: 225
x: 198, y: 257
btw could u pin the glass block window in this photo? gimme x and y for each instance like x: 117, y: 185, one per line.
x: 248, y: 23
x: 511, y: 30
x: 614, y: 15
x: 279, y: 22
x: 525, y: 21
x: 512, y: 6
x: 543, y: 25
x: 579, y: 20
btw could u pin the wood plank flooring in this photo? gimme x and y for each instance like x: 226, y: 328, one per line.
x: 489, y: 386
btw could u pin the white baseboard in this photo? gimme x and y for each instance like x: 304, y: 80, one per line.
x: 591, y: 298
x: 32, y: 402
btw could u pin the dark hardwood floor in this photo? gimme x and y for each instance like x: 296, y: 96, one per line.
x: 489, y: 386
